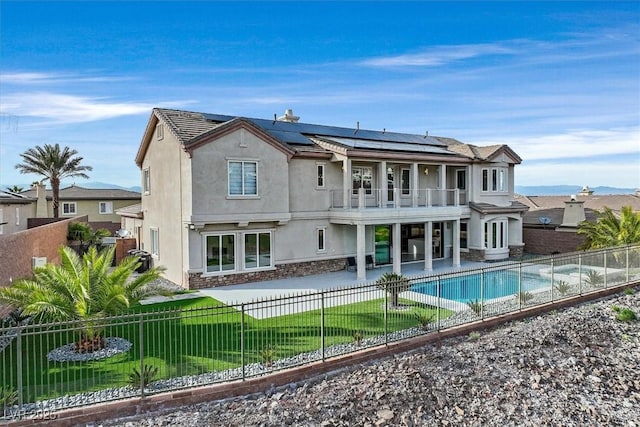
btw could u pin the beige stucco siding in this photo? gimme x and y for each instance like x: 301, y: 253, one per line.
x: 162, y: 207
x: 210, y: 176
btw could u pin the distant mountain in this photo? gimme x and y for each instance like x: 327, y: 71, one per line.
x: 562, y: 190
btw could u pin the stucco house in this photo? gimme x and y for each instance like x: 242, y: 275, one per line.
x: 15, y: 208
x: 98, y: 204
x: 230, y: 199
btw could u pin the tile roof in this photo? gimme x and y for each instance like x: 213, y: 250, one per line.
x: 190, y: 127
x: 614, y: 202
x: 75, y: 192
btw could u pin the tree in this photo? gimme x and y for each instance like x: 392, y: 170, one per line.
x: 393, y: 284
x: 610, y: 230
x: 54, y: 164
x: 15, y: 189
x: 82, y: 288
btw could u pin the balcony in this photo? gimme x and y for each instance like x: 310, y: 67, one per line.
x: 397, y: 198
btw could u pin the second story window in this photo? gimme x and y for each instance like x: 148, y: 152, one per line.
x: 320, y: 171
x: 105, y: 208
x: 69, y: 208
x: 494, y: 179
x: 362, y: 178
x: 243, y: 178
x: 406, y: 173
x: 146, y: 181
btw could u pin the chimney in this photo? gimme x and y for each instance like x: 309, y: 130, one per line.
x: 289, y: 117
x: 41, y: 204
x: 573, y: 213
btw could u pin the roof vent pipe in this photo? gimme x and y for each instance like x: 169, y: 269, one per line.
x: 289, y: 117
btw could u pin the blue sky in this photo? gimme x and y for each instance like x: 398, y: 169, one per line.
x: 559, y: 82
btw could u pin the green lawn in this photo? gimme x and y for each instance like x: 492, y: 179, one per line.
x: 201, y: 335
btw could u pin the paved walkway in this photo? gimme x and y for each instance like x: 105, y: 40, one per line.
x: 258, y: 296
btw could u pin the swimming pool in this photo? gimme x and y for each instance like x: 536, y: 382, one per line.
x: 497, y: 284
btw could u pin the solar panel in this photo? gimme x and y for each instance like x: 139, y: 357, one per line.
x: 388, y: 146
x: 294, y: 133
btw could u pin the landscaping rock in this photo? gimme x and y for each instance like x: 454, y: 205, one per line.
x: 574, y: 367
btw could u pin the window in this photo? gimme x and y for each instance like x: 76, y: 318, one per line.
x: 361, y: 179
x: 155, y: 241
x: 496, y: 234
x: 105, y: 208
x: 17, y: 216
x: 220, y: 253
x: 159, y: 132
x: 322, y: 242
x: 69, y: 208
x: 257, y: 250
x: 243, y: 178
x: 464, y: 227
x: 146, y: 181
x: 320, y: 172
x: 494, y: 179
x: 461, y: 179
x: 404, y: 178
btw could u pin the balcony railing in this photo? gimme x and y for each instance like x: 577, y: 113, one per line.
x: 397, y: 198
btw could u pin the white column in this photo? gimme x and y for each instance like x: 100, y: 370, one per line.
x: 443, y: 184
x: 456, y: 243
x: 413, y: 185
x: 346, y: 183
x: 382, y: 184
x: 397, y: 249
x: 428, y: 246
x: 360, y: 252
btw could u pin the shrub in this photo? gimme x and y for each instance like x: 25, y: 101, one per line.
x: 424, y: 320
x: 394, y: 284
x: 594, y: 279
x: 268, y: 354
x: 357, y: 337
x: 474, y: 336
x: 8, y: 397
x: 524, y: 297
x: 626, y: 315
x: 144, y: 377
x: 562, y: 287
x: 476, y: 306
x: 628, y: 291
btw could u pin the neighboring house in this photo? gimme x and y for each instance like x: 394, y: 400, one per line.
x: 14, y: 210
x: 131, y: 222
x: 551, y: 223
x: 99, y: 205
x: 230, y: 199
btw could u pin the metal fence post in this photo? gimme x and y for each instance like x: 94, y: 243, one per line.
x: 552, y: 277
x: 386, y: 308
x: 242, y: 361
x: 141, y: 341
x: 481, y: 294
x: 604, y: 263
x: 627, y: 264
x: 580, y: 274
x: 438, y: 302
x: 520, y: 285
x: 322, y: 331
x: 19, y: 366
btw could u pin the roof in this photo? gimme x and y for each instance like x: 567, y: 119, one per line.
x: 10, y: 198
x: 614, y: 202
x: 131, y: 211
x: 75, y: 192
x: 488, y: 208
x: 535, y: 218
x: 192, y: 129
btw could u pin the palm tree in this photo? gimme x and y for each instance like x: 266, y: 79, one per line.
x: 15, y: 189
x: 610, y: 230
x: 82, y: 289
x: 54, y: 165
x: 394, y: 284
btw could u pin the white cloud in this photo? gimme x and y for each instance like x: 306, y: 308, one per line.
x: 574, y: 144
x: 597, y: 173
x: 439, y: 55
x: 40, y: 78
x: 64, y: 108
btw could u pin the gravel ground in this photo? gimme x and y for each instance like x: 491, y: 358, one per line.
x: 576, y: 367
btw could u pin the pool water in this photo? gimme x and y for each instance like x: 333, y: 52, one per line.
x: 497, y: 284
